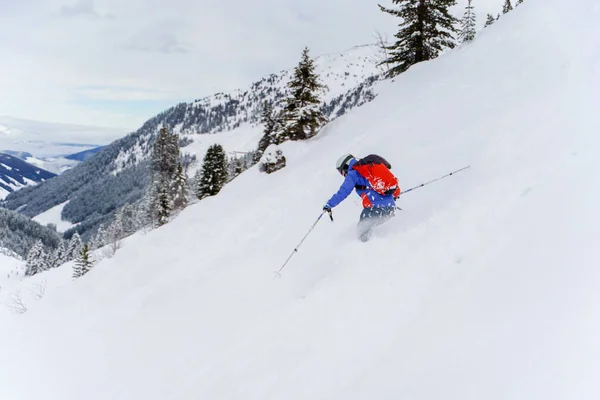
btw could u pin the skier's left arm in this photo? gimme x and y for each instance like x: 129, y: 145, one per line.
x: 343, y: 192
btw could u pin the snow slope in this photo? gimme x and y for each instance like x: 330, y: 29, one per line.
x: 53, y: 216
x: 11, y: 269
x: 485, y: 287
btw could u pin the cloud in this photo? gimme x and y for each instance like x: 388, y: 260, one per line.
x: 118, y: 93
x: 81, y: 8
x: 165, y: 43
x: 157, y: 52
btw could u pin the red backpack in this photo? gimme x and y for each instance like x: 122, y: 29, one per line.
x: 376, y: 170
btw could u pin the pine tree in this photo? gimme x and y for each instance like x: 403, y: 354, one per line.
x: 179, y: 189
x: 197, y: 183
x: 75, y: 246
x: 60, y: 256
x: 128, y: 219
x: 36, y: 260
x: 115, y: 230
x: 270, y: 123
x: 165, y: 160
x: 518, y: 3
x: 426, y: 29
x: 83, y: 263
x: 468, y: 23
x: 302, y: 116
x: 490, y: 20
x: 165, y: 154
x: 164, y: 207
x: 100, y: 239
x: 213, y: 175
x: 507, y: 7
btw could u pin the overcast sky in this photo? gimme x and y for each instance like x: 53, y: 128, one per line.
x: 116, y: 63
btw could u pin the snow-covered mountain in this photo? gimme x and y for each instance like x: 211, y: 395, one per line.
x: 118, y: 174
x: 348, y: 75
x: 484, y: 287
x: 16, y: 173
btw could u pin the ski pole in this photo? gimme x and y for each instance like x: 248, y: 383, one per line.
x: 278, y: 273
x: 435, y: 180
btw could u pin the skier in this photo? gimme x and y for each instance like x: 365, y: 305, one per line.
x: 374, y: 183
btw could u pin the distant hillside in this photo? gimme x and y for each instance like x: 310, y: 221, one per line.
x: 23, y: 155
x: 84, y: 155
x: 16, y: 174
x: 118, y: 173
x: 19, y: 233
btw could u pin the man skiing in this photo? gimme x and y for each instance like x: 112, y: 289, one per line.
x: 374, y: 183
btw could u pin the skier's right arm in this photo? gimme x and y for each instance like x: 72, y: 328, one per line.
x: 343, y: 191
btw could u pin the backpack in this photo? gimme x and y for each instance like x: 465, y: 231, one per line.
x: 376, y: 170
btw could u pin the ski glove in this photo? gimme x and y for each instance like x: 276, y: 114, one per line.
x: 327, y: 209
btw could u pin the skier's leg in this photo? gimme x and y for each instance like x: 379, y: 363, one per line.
x: 372, y: 217
x: 365, y: 224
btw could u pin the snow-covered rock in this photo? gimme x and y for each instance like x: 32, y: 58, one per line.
x: 272, y: 159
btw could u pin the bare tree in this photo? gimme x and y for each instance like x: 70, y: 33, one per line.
x: 115, y: 245
x: 111, y: 248
x: 38, y: 291
x: 382, y: 43
x: 16, y: 304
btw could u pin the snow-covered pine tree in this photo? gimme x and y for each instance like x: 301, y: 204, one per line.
x: 197, y: 183
x: 489, y: 21
x: 426, y: 29
x: 83, y: 263
x: 75, y: 246
x: 141, y: 214
x: 128, y: 219
x: 179, y: 189
x: 60, y: 256
x: 165, y: 159
x: 235, y: 166
x: 165, y: 154
x: 164, y: 207
x: 115, y: 230
x: 99, y: 240
x: 302, y: 115
x: 213, y: 175
x: 507, y: 7
x: 467, y: 24
x: 36, y: 259
x: 518, y: 3
x: 269, y: 122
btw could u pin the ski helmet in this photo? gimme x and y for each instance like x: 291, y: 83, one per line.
x: 342, y: 163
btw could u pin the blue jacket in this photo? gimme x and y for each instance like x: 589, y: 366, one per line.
x: 370, y: 197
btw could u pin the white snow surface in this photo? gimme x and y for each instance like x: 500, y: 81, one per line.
x: 11, y: 270
x: 486, y: 286
x: 53, y: 216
